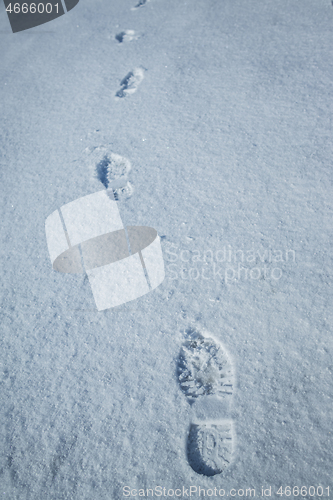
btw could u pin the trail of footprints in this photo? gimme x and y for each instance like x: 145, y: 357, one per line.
x: 204, y: 367
x: 132, y: 80
x: 205, y: 370
x: 112, y: 169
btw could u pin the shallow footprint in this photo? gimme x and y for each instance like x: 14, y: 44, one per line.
x: 130, y: 83
x: 112, y: 170
x: 126, y: 36
x: 140, y: 4
x: 205, y: 370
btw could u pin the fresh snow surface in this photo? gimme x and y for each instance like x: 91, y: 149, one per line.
x: 214, y: 123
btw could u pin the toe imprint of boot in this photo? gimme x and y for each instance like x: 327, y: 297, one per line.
x: 204, y: 368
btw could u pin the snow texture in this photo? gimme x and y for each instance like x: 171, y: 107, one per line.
x: 229, y: 136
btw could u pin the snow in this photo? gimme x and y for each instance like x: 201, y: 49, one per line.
x: 229, y: 138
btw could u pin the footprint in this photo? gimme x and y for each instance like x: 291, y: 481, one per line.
x: 204, y: 369
x: 126, y: 36
x: 123, y: 193
x: 140, y: 4
x: 130, y: 83
x: 209, y: 447
x: 112, y: 170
